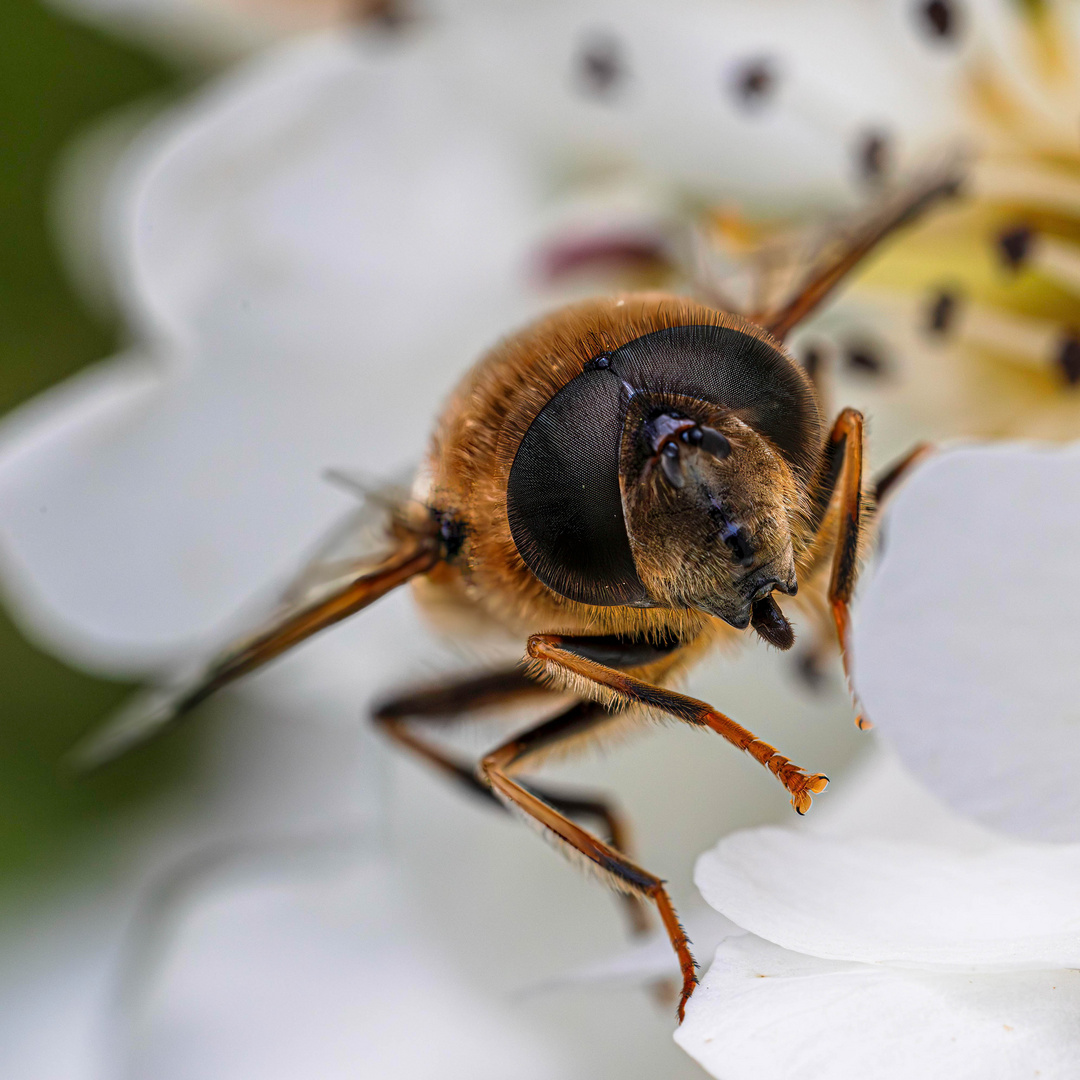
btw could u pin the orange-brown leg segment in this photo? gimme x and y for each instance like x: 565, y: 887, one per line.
x: 448, y: 702
x: 607, y: 860
x: 886, y: 482
x: 278, y: 638
x: 823, y: 491
x: 847, y: 437
x: 849, y: 251
x: 840, y: 475
x: 558, y: 656
x: 151, y: 716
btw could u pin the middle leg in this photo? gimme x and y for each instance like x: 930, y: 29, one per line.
x: 449, y: 701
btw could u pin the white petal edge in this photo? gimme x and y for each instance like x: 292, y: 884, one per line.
x: 965, y: 640
x: 763, y: 1013
x: 1011, y: 906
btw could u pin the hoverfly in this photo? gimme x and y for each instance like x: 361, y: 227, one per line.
x: 620, y: 486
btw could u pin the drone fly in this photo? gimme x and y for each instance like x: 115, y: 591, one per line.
x: 620, y: 487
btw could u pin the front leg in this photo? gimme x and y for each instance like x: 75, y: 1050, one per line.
x: 576, y: 662
x: 840, y: 474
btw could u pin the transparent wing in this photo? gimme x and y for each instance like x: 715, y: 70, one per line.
x: 778, y: 278
x: 379, y: 546
x: 362, y: 539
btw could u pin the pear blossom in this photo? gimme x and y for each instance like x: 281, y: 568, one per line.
x: 210, y: 34
x: 308, y: 254
x: 923, y: 922
x: 884, y: 937
x: 889, y: 939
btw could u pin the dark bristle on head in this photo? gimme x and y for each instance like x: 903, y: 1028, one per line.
x: 1014, y: 245
x: 768, y: 620
x: 942, y: 312
x: 1068, y: 358
x: 939, y: 20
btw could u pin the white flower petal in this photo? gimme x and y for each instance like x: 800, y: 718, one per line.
x: 875, y: 901
x: 317, y: 249
x: 862, y: 804
x: 654, y: 958
x: 314, y: 250
x: 965, y: 643
x: 322, y: 977
x: 763, y: 1013
x: 842, y: 69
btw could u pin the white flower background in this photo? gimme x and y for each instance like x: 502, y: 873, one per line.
x: 309, y: 252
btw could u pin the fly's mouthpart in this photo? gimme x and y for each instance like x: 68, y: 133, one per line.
x: 771, y: 625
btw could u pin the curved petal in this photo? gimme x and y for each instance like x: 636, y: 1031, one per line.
x: 763, y: 1013
x: 314, y: 249
x: 326, y: 978
x: 654, y: 88
x: 317, y: 249
x: 964, y: 643
x: 913, y: 905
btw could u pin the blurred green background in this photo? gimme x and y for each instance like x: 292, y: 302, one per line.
x: 58, y: 77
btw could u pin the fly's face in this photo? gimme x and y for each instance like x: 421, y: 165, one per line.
x: 709, y: 507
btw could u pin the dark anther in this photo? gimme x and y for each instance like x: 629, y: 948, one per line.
x: 768, y: 620
x: 1014, y: 245
x: 600, y: 65
x: 940, y: 20
x: 872, y: 156
x: 863, y: 359
x: 942, y: 312
x: 599, y: 363
x: 1068, y: 358
x: 387, y: 15
x: 809, y: 668
x: 755, y: 83
x: 811, y: 362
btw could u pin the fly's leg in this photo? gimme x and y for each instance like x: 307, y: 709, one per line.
x: 445, y: 703
x: 885, y: 483
x: 606, y: 860
x: 846, y: 255
x: 155, y: 712
x: 566, y: 659
x: 812, y: 662
x: 840, y: 477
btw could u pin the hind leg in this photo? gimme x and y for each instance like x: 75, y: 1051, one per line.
x: 448, y: 702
